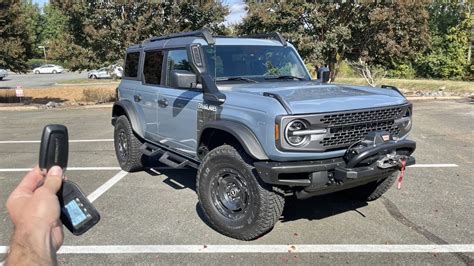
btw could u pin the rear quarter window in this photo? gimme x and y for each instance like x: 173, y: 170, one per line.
x: 131, y: 65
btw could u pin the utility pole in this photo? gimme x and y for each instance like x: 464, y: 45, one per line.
x: 44, y: 51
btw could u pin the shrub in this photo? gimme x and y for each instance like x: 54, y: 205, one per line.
x: 403, y: 71
x: 98, y: 95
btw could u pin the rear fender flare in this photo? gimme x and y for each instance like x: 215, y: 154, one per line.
x: 127, y: 108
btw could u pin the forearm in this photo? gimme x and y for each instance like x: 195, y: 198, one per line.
x: 31, y: 249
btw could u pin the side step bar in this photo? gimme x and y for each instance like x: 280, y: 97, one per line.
x: 167, y: 157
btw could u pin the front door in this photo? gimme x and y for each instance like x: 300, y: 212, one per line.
x: 177, y: 107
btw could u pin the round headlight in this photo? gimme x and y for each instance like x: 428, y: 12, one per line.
x: 293, y: 127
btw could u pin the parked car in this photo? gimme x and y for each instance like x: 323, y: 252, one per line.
x: 106, y: 72
x: 48, y: 69
x: 246, y: 114
x: 3, y: 73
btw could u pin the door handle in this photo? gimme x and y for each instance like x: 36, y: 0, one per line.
x: 137, y: 97
x: 163, y: 102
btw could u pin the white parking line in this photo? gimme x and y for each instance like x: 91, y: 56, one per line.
x: 441, y: 165
x: 68, y: 169
x: 128, y: 249
x: 38, y: 141
x: 106, y: 186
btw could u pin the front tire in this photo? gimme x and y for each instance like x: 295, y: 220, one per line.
x: 234, y: 200
x: 55, y: 72
x: 127, y: 146
x: 373, y: 190
x: 37, y: 72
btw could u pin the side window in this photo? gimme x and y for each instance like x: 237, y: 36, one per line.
x: 152, y: 67
x: 131, y: 64
x: 177, y: 60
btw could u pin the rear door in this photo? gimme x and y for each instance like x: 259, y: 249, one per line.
x: 146, y: 94
x: 177, y: 107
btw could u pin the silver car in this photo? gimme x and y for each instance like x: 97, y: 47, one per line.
x: 106, y: 72
x: 3, y: 73
x: 48, y: 69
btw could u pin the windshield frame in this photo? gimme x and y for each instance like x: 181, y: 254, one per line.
x: 306, y: 76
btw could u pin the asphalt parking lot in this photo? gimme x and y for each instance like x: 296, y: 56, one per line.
x: 29, y: 80
x: 154, y: 216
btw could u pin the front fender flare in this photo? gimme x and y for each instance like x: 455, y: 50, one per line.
x: 126, y: 107
x: 242, y: 133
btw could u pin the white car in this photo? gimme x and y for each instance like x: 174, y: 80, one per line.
x: 3, y: 73
x: 48, y: 69
x: 105, y: 73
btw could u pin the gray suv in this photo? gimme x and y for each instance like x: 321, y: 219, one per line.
x: 246, y: 114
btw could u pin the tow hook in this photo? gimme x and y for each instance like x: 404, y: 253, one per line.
x: 403, y: 163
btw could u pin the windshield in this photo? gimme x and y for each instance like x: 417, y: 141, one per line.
x: 256, y: 62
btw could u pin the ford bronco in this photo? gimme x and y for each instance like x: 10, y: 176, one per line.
x: 245, y: 112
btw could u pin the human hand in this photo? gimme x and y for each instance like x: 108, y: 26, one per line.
x: 34, y: 209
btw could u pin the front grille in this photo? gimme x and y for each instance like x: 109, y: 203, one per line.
x: 347, y: 128
x: 364, y: 116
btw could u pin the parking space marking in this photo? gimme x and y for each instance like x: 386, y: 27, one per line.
x: 38, y: 141
x: 440, y: 165
x: 106, y: 186
x: 69, y: 169
x: 140, y: 249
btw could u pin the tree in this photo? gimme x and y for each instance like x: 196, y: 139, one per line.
x: 98, y: 33
x: 18, y: 34
x: 331, y: 32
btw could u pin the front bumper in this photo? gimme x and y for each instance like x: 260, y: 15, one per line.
x: 325, y: 176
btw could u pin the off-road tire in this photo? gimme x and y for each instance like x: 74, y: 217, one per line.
x: 264, y: 206
x: 132, y: 160
x: 373, y: 190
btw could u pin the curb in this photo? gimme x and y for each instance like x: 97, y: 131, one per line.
x: 37, y: 107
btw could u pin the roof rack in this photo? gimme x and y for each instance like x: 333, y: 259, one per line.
x: 272, y: 35
x: 204, y: 33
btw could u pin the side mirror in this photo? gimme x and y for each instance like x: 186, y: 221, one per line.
x: 183, y: 79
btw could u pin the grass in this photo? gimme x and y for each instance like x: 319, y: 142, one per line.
x: 88, y: 81
x: 413, y: 85
x: 71, y: 95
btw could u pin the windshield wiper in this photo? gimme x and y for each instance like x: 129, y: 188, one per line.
x: 285, y: 77
x: 236, y: 79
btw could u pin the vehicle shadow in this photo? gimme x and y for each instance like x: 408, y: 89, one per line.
x: 319, y: 207
x: 315, y: 208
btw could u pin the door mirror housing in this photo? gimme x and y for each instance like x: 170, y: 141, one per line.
x: 183, y: 79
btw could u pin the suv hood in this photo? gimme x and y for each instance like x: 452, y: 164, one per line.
x: 311, y: 96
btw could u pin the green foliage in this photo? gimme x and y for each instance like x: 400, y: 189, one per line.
x: 98, y: 33
x: 17, y: 31
x: 345, y: 70
x: 402, y: 70
x: 450, y: 27
x: 54, y: 24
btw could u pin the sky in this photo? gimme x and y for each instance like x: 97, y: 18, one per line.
x: 236, y: 7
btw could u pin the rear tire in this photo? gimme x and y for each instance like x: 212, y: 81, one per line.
x: 235, y: 202
x: 37, y: 72
x: 55, y: 72
x: 127, y: 146
x: 373, y: 190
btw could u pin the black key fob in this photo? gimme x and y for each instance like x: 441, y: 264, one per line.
x: 77, y: 212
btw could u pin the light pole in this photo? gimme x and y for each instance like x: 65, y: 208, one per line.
x: 44, y: 51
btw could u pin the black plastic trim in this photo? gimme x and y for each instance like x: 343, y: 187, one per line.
x: 280, y: 100
x: 272, y: 36
x: 204, y: 33
x: 127, y: 106
x: 393, y: 88
x: 242, y: 133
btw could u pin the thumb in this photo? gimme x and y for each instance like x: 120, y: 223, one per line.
x: 53, y: 179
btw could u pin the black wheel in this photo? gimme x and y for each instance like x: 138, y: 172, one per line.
x: 93, y: 77
x: 234, y: 200
x: 373, y: 190
x: 1, y: 78
x: 54, y: 72
x: 37, y: 72
x: 127, y: 146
